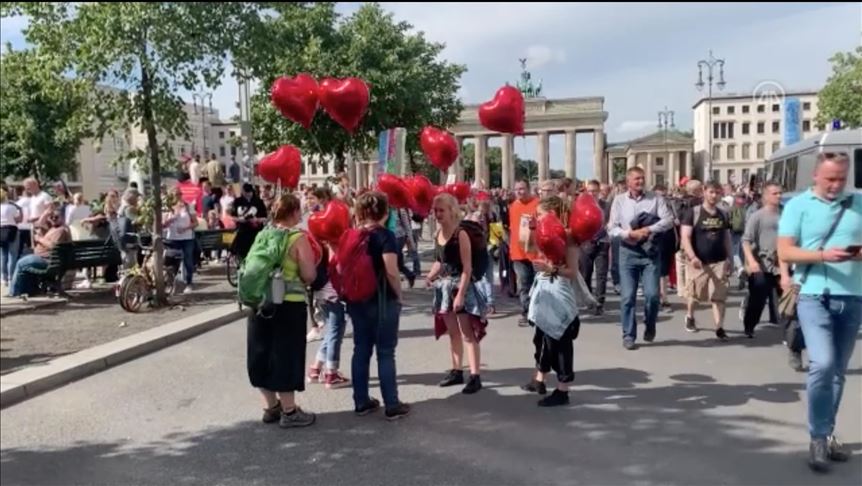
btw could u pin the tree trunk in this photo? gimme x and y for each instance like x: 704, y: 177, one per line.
x: 149, y: 126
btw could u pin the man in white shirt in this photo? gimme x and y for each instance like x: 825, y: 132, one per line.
x: 34, y: 204
x: 195, y: 170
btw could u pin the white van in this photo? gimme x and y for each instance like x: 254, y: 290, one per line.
x: 793, y: 166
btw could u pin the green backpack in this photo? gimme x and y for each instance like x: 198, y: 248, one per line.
x: 737, y: 219
x: 254, y: 279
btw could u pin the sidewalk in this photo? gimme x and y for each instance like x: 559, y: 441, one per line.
x: 44, y: 328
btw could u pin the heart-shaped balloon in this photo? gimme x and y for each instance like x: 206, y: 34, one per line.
x: 482, y: 196
x: 586, y: 218
x: 329, y: 224
x: 282, y: 166
x: 345, y: 100
x: 296, y: 98
x: 423, y: 194
x: 439, y: 146
x: 551, y: 238
x: 505, y: 113
x: 461, y: 191
x: 396, y: 190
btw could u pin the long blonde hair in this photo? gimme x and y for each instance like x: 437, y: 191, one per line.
x: 450, y: 202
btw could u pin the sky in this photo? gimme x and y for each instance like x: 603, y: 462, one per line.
x: 639, y: 57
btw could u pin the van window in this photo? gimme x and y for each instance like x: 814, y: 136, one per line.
x: 777, y: 174
x: 790, y: 171
x: 857, y: 168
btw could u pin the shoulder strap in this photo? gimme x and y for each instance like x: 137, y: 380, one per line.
x: 844, y: 205
x: 696, y: 215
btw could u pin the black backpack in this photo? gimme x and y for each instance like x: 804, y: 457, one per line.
x: 322, y: 271
x: 478, y: 247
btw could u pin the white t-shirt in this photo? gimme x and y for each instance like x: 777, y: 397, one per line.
x: 8, y: 212
x: 39, y: 204
x: 184, y: 220
x: 75, y: 214
x: 225, y: 203
x: 24, y: 204
x: 195, y: 172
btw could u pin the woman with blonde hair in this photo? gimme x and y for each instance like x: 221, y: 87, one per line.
x: 459, y: 308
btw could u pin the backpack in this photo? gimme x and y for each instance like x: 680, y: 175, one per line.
x: 353, y: 268
x: 478, y: 248
x: 737, y: 219
x: 254, y: 277
x: 322, y: 270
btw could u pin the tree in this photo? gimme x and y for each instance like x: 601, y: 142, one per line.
x: 139, y: 55
x: 44, y: 120
x: 493, y: 157
x: 410, y: 86
x: 841, y: 98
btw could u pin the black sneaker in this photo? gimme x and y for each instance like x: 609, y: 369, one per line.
x: 720, y: 334
x: 665, y: 306
x: 749, y: 333
x: 455, y: 377
x: 555, y: 399
x: 535, y: 386
x: 473, y: 385
x: 649, y: 336
x: 690, y: 326
x: 795, y: 361
x: 272, y: 415
x: 837, y: 451
x: 629, y: 344
x: 411, y: 281
x: 372, y: 406
x: 599, y: 310
x: 296, y: 418
x: 523, y: 322
x: 397, y: 412
x: 818, y: 455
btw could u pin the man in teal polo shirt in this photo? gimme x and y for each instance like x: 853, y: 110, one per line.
x: 830, y: 298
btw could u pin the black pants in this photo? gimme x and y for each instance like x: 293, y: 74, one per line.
x: 761, y: 289
x: 595, y: 255
x: 557, y: 354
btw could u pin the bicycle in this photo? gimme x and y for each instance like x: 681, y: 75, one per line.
x: 137, y: 286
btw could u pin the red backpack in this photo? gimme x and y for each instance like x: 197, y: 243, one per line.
x: 353, y: 266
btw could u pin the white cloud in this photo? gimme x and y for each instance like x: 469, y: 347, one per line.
x: 540, y: 55
x: 631, y: 126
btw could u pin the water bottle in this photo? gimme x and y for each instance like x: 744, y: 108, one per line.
x: 277, y: 287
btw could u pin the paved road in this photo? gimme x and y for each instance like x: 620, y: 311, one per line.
x: 684, y: 410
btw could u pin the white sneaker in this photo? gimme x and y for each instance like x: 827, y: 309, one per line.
x: 315, y: 334
x: 187, y: 290
x: 84, y: 285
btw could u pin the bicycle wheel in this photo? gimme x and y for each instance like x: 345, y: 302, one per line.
x: 231, y: 268
x: 134, y: 293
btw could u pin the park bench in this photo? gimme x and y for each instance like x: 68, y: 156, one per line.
x: 76, y: 255
x: 209, y: 240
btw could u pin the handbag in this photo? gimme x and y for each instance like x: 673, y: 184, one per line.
x: 788, y: 300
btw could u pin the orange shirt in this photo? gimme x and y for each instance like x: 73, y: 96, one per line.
x: 516, y: 210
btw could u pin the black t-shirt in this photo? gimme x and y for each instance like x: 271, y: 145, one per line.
x: 381, y: 241
x: 253, y: 208
x: 708, y: 234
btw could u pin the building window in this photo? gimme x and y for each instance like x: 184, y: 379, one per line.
x: 761, y: 108
x: 746, y: 151
x: 806, y: 106
x: 731, y: 152
x: 313, y: 168
x: 221, y: 135
x: 716, y: 175
x: 716, y: 152
x: 722, y: 130
x: 745, y: 175
x: 731, y: 176
x: 715, y: 129
x: 716, y: 110
x: 731, y: 110
x: 659, y: 179
x: 776, y: 108
x: 761, y: 149
x: 776, y: 127
x: 659, y: 161
x: 221, y: 151
x: 744, y: 109
x: 324, y: 167
x: 806, y: 125
x: 723, y: 127
x: 233, y: 151
x: 761, y: 127
x: 746, y: 128
x: 775, y: 146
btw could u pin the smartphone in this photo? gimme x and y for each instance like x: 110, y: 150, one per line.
x: 854, y: 249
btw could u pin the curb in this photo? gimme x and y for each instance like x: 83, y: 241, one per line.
x: 27, y: 383
x: 22, y: 307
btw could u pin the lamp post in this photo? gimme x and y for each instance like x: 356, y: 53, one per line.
x: 203, y: 98
x: 710, y: 63
x: 665, y: 121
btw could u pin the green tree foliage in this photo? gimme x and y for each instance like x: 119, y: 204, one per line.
x: 410, y: 85
x: 44, y: 117
x: 841, y: 98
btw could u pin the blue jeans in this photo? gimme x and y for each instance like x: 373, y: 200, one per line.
x: 636, y: 266
x: 24, y: 282
x: 9, y: 259
x: 188, y: 248
x: 615, y: 261
x: 736, y: 250
x: 372, y: 330
x: 830, y: 325
x: 526, y: 274
x: 330, y: 351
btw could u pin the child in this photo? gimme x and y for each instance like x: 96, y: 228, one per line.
x: 332, y: 313
x: 554, y: 313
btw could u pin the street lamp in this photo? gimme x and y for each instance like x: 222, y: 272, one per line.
x: 665, y: 121
x: 203, y: 98
x: 710, y: 63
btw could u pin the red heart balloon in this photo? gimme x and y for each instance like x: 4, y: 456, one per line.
x: 505, y: 113
x: 345, y: 100
x: 397, y: 191
x: 282, y: 166
x: 461, y: 191
x: 586, y: 218
x: 482, y: 196
x: 439, y: 146
x: 296, y: 98
x: 329, y: 224
x: 423, y: 194
x: 551, y: 238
